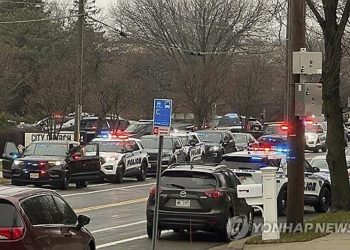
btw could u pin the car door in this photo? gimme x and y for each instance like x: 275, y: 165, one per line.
x: 229, y: 143
x: 10, y: 154
x: 72, y: 237
x: 133, y: 156
x: 196, y: 149
x: 179, y: 151
x: 91, y: 165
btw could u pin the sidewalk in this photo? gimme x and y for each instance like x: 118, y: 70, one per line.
x: 330, y: 242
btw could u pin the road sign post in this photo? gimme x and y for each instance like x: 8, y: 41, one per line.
x: 161, y: 125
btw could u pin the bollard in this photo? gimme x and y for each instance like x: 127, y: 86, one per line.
x: 270, y: 228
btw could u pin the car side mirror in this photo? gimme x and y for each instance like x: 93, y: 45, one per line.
x: 315, y: 169
x: 83, y: 220
x: 193, y: 143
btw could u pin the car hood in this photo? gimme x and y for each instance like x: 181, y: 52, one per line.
x: 211, y: 144
x: 42, y: 158
x: 111, y: 154
x: 155, y: 150
x: 308, y: 134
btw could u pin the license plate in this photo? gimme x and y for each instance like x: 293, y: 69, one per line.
x: 183, y: 203
x: 34, y: 175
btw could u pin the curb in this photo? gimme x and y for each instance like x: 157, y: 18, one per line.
x: 235, y: 245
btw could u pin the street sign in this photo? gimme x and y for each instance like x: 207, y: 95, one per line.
x: 162, y: 111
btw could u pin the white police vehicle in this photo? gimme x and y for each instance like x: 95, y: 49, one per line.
x: 122, y: 157
x: 246, y: 165
x: 315, y: 137
x: 194, y: 147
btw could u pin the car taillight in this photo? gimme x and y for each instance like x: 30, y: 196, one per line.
x: 215, y: 194
x: 11, y: 233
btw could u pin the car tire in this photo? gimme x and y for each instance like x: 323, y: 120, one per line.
x: 143, y: 172
x: 16, y: 183
x: 81, y: 184
x: 119, y: 175
x: 65, y: 181
x: 250, y: 222
x: 282, y: 202
x: 225, y: 235
x: 316, y: 149
x: 150, y: 232
x: 324, y: 200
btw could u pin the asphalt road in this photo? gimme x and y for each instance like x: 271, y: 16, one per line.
x: 118, y: 218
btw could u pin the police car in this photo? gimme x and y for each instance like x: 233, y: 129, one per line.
x: 246, y: 165
x: 193, y: 145
x: 122, y: 157
x: 315, y: 137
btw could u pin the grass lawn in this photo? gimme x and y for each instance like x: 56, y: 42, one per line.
x: 338, y: 217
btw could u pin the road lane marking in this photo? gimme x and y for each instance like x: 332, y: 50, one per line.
x: 117, y: 227
x: 116, y: 204
x: 110, y: 244
x: 107, y: 190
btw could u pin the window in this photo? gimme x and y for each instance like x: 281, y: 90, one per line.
x: 234, y: 178
x: 10, y: 147
x: 188, y: 180
x: 67, y: 216
x: 229, y: 182
x: 41, y: 210
x: 90, y: 150
x: 46, y: 149
x: 177, y: 143
x: 9, y: 215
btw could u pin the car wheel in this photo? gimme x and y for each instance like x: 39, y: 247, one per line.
x: 324, y: 200
x: 250, y: 222
x: 150, y: 232
x: 81, y: 184
x: 16, y: 183
x: 316, y: 149
x: 65, y: 181
x: 282, y: 202
x: 119, y: 175
x: 143, y: 172
x: 229, y: 232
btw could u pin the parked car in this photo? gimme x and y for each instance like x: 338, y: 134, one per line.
x: 173, y: 151
x: 231, y: 122
x: 217, y: 143
x: 193, y: 145
x: 57, y: 163
x: 200, y: 197
x: 140, y: 128
x: 243, y: 140
x: 40, y: 219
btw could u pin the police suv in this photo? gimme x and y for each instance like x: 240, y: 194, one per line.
x: 122, y: 157
x: 315, y: 137
x: 193, y: 146
x: 246, y: 165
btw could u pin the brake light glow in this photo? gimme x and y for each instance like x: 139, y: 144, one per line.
x: 284, y: 127
x: 11, y: 233
x: 215, y: 194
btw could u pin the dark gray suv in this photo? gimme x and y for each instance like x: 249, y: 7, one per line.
x: 200, y: 197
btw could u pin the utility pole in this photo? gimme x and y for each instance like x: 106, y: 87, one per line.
x: 295, y: 194
x: 79, y: 71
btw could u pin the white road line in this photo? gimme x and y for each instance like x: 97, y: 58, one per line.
x: 98, y: 185
x: 110, y: 244
x: 107, y: 190
x: 117, y: 227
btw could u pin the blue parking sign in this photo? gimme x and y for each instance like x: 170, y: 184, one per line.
x: 162, y: 115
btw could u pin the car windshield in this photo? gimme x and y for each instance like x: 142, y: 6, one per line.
x: 240, y: 138
x: 46, y: 149
x: 188, y: 180
x: 313, y: 128
x: 136, y: 128
x: 320, y: 163
x: 184, y: 139
x: 153, y: 142
x: 116, y: 146
x: 210, y: 136
x: 275, y: 129
x: 254, y: 162
x: 229, y: 121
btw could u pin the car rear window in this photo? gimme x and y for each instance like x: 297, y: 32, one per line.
x: 9, y: 216
x: 188, y: 180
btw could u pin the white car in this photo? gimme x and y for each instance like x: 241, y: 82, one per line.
x: 122, y: 157
x: 193, y: 145
x: 315, y: 137
x: 246, y: 165
x: 320, y: 162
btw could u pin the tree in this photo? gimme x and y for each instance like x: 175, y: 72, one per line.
x: 333, y: 17
x: 198, y: 38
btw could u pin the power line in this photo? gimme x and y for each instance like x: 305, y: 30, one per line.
x: 39, y: 20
